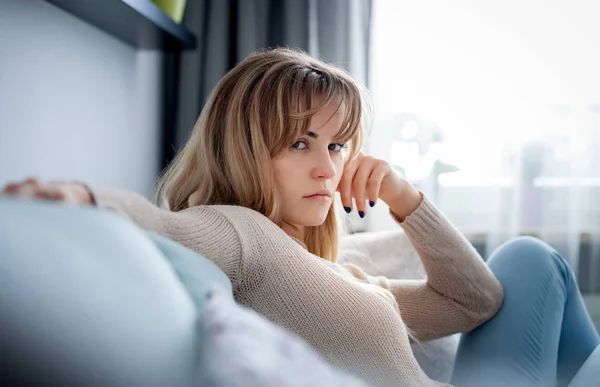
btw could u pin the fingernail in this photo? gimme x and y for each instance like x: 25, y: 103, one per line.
x: 361, y: 214
x: 348, y: 209
x: 371, y: 203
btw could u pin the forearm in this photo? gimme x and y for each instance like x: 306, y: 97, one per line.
x: 130, y: 205
x: 454, y: 268
x: 202, y: 228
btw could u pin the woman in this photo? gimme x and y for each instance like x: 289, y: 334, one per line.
x: 253, y: 190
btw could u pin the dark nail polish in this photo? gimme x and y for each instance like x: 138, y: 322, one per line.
x: 348, y: 209
x: 361, y: 214
x: 371, y: 203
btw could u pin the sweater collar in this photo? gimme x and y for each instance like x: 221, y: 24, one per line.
x: 300, y: 243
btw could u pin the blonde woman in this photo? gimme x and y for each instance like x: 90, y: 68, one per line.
x: 253, y: 190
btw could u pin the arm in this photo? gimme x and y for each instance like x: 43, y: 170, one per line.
x: 460, y: 292
x: 201, y: 228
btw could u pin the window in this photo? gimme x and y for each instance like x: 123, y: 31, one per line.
x: 493, y: 110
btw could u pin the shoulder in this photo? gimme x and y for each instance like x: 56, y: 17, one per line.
x: 253, y: 228
x: 237, y: 210
x: 234, y: 237
x: 243, y: 218
x: 237, y: 216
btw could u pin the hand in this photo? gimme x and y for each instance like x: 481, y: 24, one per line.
x: 63, y: 192
x: 368, y: 178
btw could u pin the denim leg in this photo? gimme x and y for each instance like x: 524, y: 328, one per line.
x: 589, y: 373
x: 520, y: 346
x: 578, y: 336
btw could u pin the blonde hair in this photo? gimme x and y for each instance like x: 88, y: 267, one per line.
x: 257, y: 111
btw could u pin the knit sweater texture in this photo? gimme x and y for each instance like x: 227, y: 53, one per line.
x: 356, y: 321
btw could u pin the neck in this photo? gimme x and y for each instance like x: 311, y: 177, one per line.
x: 294, y: 231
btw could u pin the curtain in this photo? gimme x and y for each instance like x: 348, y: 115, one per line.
x: 495, y: 115
x: 228, y: 30
x: 552, y: 190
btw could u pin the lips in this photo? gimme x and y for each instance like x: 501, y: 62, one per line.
x: 320, y: 193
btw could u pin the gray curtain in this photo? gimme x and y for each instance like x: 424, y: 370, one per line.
x: 337, y: 31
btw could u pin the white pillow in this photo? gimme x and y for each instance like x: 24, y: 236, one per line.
x: 240, y: 348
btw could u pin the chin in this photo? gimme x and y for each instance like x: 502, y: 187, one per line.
x: 314, y: 221
x: 309, y: 217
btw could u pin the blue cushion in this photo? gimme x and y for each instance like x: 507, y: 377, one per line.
x: 88, y: 298
x: 194, y: 271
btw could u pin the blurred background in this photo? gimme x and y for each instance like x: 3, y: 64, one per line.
x: 490, y: 108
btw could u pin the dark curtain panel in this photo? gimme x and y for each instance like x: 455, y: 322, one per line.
x: 228, y: 30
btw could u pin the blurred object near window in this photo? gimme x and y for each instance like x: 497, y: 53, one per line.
x: 506, y: 96
x: 416, y: 152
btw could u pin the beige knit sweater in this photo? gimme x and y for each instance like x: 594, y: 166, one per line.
x: 357, y: 322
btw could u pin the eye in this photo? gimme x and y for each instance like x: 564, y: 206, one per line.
x: 337, y: 147
x: 297, y: 145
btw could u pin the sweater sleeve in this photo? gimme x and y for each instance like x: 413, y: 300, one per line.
x: 200, y: 228
x: 460, y: 292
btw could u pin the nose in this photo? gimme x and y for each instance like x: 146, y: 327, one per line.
x: 323, y: 167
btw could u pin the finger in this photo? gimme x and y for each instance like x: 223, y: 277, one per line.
x: 50, y: 194
x: 374, y: 183
x: 345, y: 189
x: 11, y: 189
x: 69, y: 196
x: 28, y: 187
x: 345, y: 185
x: 31, y: 182
x: 359, y: 186
x: 25, y: 191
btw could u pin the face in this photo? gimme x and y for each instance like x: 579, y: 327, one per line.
x: 309, y: 171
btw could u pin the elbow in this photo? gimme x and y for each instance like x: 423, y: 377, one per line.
x: 495, y: 301
x: 491, y: 302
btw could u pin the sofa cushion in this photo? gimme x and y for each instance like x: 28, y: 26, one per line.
x: 89, y: 299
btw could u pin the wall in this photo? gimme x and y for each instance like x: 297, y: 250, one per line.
x: 75, y: 102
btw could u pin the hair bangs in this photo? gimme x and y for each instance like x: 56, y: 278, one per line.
x: 310, y: 91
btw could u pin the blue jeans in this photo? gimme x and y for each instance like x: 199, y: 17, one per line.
x: 541, y: 336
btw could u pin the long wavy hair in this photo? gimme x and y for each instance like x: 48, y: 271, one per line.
x: 256, y: 111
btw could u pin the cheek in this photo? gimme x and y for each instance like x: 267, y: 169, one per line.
x: 339, y: 169
x: 283, y: 172
x: 278, y: 174
x: 280, y: 165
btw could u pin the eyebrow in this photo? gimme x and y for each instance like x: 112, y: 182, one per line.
x: 314, y: 135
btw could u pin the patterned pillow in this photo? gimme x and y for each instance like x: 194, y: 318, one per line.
x: 238, y: 347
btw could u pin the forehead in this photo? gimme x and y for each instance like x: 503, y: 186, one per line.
x: 328, y: 121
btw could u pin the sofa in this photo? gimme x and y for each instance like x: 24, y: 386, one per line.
x: 90, y: 299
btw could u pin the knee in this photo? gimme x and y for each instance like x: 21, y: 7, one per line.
x: 528, y: 254
x: 527, y: 245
